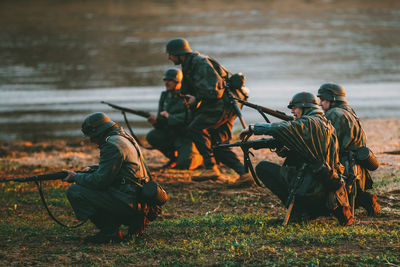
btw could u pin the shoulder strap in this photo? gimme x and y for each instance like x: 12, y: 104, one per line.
x: 141, y: 158
x: 217, y: 67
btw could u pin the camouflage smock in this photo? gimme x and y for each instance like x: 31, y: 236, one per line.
x: 120, y: 162
x: 311, y: 138
x: 175, y: 106
x: 350, y: 135
x: 201, y: 80
x: 347, y: 125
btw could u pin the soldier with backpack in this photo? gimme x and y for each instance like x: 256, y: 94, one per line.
x: 351, y: 139
x: 204, y: 84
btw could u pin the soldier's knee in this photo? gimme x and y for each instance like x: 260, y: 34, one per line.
x: 151, y: 138
x: 261, y: 168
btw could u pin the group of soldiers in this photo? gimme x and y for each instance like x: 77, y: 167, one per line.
x: 194, y: 115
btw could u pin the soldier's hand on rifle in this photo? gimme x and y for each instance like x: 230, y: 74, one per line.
x: 70, y: 177
x: 165, y: 114
x: 246, y: 133
x: 86, y: 169
x: 282, y: 152
x: 152, y: 119
x: 191, y: 100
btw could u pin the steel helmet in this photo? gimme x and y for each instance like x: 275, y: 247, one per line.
x: 332, y: 92
x: 304, y: 100
x: 178, y: 46
x: 96, y: 123
x: 173, y: 74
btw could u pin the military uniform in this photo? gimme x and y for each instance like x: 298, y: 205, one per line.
x: 209, y: 125
x: 311, y: 142
x: 109, y: 194
x: 351, y: 137
x: 170, y: 135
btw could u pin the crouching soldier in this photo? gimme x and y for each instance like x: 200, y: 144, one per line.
x: 351, y: 139
x: 169, y: 134
x: 116, y: 191
x: 310, y: 146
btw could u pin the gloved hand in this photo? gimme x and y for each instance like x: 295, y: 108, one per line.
x: 246, y: 133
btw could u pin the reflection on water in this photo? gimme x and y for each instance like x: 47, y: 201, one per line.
x: 58, y: 61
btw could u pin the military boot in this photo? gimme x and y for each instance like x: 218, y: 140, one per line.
x: 370, y: 203
x: 171, y: 164
x: 208, y: 174
x: 244, y: 180
x: 104, y: 237
x: 343, y: 214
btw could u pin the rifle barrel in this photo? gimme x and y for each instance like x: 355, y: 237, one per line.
x: 276, y: 113
x: 140, y: 113
x: 41, y: 177
x: 230, y: 145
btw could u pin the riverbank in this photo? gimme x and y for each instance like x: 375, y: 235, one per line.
x: 21, y: 157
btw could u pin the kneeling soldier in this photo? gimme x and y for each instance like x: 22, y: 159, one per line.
x: 111, y: 193
x: 311, y: 150
x: 351, y: 138
x: 170, y: 135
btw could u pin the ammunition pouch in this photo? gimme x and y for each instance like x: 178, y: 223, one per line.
x: 332, y: 180
x: 153, y: 193
x: 366, y: 158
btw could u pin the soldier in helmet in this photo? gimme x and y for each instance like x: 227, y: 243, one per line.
x: 351, y: 137
x: 108, y: 193
x: 203, y: 84
x: 169, y: 134
x: 310, y: 147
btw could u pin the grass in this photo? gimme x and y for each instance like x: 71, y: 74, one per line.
x: 223, y: 238
x: 203, y: 224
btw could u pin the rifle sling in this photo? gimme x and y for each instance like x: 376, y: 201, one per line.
x: 133, y: 134
x: 39, y: 187
x: 249, y: 166
x: 263, y: 115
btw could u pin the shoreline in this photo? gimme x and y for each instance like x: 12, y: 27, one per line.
x: 24, y: 157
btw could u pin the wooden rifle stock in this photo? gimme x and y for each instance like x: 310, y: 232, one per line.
x: 275, y: 113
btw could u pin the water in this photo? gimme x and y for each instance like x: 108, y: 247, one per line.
x: 59, y: 60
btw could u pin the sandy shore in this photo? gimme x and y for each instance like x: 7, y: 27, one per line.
x: 20, y: 158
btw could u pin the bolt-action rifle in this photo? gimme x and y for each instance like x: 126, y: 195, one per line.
x: 351, y: 180
x: 151, y: 192
x: 263, y: 110
x: 140, y: 113
x: 298, y: 186
x: 293, y: 191
x: 270, y: 143
x: 236, y: 108
x: 37, y: 179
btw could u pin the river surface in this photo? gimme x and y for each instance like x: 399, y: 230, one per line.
x: 59, y: 59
